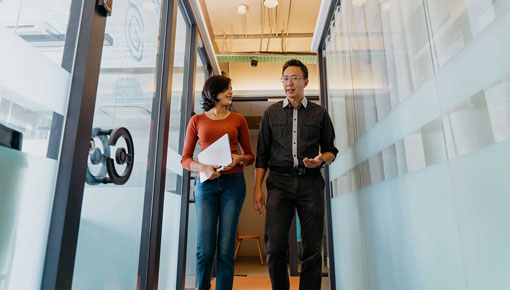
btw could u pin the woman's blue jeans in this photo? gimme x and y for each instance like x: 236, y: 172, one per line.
x: 218, y: 203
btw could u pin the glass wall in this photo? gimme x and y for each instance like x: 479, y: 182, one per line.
x: 107, y: 254
x: 419, y: 93
x: 34, y: 91
x: 191, y: 250
x: 173, y: 184
x: 35, y: 64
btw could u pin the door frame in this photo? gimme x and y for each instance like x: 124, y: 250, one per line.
x: 323, y: 88
x: 65, y: 217
x: 82, y: 56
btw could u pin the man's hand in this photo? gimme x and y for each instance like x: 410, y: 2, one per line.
x: 210, y: 171
x: 313, y: 162
x: 259, y: 200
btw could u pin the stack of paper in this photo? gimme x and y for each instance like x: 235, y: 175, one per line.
x: 217, y: 153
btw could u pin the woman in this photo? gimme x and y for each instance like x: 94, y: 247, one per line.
x: 220, y: 198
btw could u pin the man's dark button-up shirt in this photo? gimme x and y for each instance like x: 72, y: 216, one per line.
x: 275, y: 142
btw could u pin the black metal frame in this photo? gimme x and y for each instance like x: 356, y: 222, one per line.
x: 323, y: 84
x: 328, y: 187
x: 65, y: 217
x: 150, y: 244
x: 187, y: 108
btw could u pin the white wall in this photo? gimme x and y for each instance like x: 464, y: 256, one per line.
x: 265, y: 78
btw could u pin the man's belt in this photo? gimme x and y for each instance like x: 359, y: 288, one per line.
x: 295, y: 170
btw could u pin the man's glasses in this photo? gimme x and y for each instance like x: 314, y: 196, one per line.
x: 286, y: 79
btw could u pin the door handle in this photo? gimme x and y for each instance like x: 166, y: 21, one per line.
x: 108, y: 173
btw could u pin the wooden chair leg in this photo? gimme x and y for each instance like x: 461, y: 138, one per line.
x: 260, y: 251
x: 237, y: 248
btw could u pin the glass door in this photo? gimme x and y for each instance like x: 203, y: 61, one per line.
x: 171, y: 224
x: 36, y: 57
x: 201, y: 75
x: 107, y: 254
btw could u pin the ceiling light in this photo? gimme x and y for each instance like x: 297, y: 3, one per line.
x: 241, y: 9
x: 358, y: 2
x: 271, y: 3
x: 386, y: 6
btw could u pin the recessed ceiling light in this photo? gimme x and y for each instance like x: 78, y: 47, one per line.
x: 358, y: 2
x: 386, y: 6
x: 271, y: 3
x: 241, y: 9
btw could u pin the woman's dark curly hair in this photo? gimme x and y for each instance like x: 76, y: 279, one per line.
x: 212, y: 87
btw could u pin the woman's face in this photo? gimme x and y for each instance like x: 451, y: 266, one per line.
x: 225, y: 97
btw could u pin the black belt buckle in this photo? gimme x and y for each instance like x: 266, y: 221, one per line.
x: 299, y: 170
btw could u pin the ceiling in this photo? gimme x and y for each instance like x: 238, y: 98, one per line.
x: 287, y: 28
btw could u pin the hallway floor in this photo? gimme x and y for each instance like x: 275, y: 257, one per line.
x: 251, y: 275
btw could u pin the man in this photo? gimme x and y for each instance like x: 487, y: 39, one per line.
x: 295, y: 141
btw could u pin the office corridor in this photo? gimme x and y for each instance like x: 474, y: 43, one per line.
x: 96, y: 97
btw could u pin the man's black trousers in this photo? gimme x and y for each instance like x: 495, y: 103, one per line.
x: 285, y: 194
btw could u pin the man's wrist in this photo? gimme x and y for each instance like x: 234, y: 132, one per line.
x: 323, y: 163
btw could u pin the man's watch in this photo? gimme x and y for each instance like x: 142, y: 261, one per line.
x: 323, y: 164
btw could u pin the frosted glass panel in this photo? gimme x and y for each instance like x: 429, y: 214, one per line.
x: 111, y: 218
x: 109, y: 238
x: 482, y: 193
x: 421, y: 191
x: 411, y: 232
x: 178, y: 98
x: 349, y: 240
x: 173, y: 178
x: 42, y: 24
x: 170, y: 241
x: 26, y: 200
x: 34, y: 94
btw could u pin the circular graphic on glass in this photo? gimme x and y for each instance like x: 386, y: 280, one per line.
x: 133, y: 29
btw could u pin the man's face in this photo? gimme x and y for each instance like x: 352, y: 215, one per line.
x: 294, y: 83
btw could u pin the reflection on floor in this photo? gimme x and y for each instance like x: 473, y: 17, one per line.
x: 258, y: 283
x: 251, y: 275
x: 250, y: 266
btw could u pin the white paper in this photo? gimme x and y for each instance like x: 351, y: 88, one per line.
x: 218, y: 153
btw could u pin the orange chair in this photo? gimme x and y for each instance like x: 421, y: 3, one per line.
x: 240, y: 239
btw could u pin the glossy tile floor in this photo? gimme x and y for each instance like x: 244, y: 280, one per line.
x: 251, y: 275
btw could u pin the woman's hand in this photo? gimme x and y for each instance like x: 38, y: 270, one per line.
x: 210, y: 171
x: 236, y: 159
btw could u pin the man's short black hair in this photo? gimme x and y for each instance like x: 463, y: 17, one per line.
x: 296, y: 62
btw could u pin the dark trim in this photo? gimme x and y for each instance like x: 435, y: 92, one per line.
x: 57, y: 125
x: 70, y: 38
x: 183, y: 183
x: 323, y: 83
x: 150, y: 243
x: 65, y: 217
x: 10, y: 138
x: 188, y: 11
x: 325, y: 30
x: 202, y: 53
x: 67, y: 63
